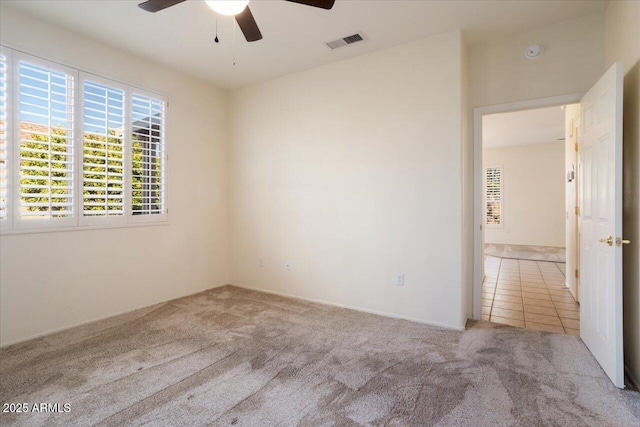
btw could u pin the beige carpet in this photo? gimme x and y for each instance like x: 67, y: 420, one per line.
x: 235, y: 357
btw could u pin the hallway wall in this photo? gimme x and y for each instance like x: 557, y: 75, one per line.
x: 533, y: 201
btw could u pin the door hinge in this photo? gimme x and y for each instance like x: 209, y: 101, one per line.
x: 577, y: 273
x: 577, y: 210
x: 576, y: 146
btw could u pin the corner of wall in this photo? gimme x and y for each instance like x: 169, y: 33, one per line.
x: 467, y: 190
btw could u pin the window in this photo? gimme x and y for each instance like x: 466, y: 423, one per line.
x: 5, y: 213
x: 44, y: 156
x: 147, y: 156
x: 493, y: 196
x: 103, y: 161
x: 77, y: 150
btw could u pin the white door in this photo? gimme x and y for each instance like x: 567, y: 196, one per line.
x: 601, y: 223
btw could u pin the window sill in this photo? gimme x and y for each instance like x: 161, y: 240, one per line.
x: 81, y: 228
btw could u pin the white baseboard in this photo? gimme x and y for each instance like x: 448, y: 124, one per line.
x: 96, y: 319
x: 350, y: 307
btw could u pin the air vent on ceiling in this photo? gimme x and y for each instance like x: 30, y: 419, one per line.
x: 355, y: 38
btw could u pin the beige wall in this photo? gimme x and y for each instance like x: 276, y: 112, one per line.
x: 533, y: 210
x: 572, y: 121
x: 573, y: 60
x: 50, y: 281
x: 623, y: 44
x: 352, y: 171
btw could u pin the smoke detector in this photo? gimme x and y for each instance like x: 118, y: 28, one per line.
x: 533, y: 52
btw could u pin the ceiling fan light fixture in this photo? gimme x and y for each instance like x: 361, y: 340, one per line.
x: 227, y: 7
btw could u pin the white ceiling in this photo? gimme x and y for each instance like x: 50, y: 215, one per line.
x: 294, y: 35
x: 529, y: 127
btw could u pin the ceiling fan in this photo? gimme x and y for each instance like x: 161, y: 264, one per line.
x: 237, y: 8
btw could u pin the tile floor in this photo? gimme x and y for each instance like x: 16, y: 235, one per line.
x: 529, y: 294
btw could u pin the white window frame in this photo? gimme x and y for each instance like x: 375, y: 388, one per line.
x: 103, y: 220
x: 31, y: 224
x: 484, y: 196
x: 12, y: 224
x: 7, y: 222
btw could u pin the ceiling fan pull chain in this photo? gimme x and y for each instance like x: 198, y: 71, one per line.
x: 216, y: 39
x: 234, y: 42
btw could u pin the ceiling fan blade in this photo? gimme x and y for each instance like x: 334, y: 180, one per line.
x: 158, y: 5
x: 248, y: 25
x: 323, y: 4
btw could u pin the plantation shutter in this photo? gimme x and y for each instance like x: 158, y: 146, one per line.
x: 5, y: 212
x: 103, y: 163
x: 493, y: 196
x: 148, y: 189
x: 77, y: 149
x: 45, y: 158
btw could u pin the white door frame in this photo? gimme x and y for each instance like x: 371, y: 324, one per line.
x: 478, y: 232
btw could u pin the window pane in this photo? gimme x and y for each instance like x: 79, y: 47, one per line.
x: 103, y: 150
x: 46, y: 142
x: 147, y: 156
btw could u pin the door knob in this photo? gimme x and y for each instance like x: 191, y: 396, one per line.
x: 620, y: 241
x: 608, y: 240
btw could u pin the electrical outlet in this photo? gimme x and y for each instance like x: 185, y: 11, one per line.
x: 287, y: 265
x: 260, y: 262
x: 400, y: 279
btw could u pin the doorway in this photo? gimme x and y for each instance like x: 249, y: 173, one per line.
x: 510, y: 260
x: 527, y: 205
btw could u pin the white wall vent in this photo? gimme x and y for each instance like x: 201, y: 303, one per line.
x: 355, y: 38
